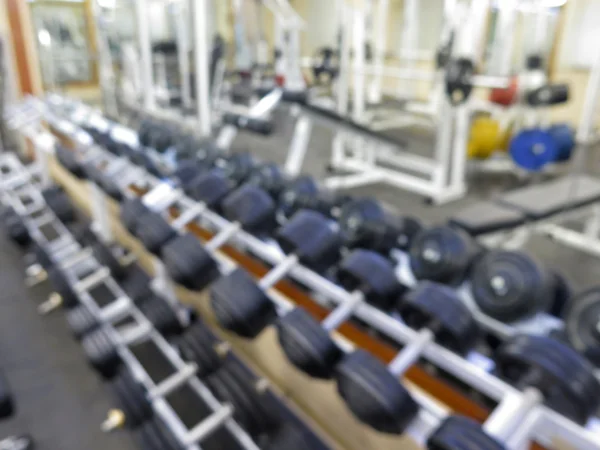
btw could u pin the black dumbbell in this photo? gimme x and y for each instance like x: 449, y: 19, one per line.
x: 69, y: 160
x: 442, y: 254
x: 562, y: 294
x: 241, y: 304
x: 191, y: 264
x: 255, y: 124
x: 511, y: 285
x: 302, y: 187
x: 307, y: 343
x: 546, y: 371
x: 65, y: 294
x: 372, y: 391
x: 115, y: 257
x: 268, y: 176
x: 15, y: 227
x: 565, y: 380
x: 582, y: 324
x: 58, y: 201
x: 156, y: 309
x: 133, y: 404
x: 365, y: 224
x: 254, y: 408
x: 292, y: 437
x: 154, y: 435
x: 200, y: 346
x: 101, y: 353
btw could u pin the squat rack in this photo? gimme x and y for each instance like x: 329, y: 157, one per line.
x: 541, y: 420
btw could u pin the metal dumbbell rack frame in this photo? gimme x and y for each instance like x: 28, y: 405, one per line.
x: 540, y: 421
x: 16, y: 183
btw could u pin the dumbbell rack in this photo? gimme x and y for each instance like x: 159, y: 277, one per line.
x: 462, y: 369
x: 17, y: 183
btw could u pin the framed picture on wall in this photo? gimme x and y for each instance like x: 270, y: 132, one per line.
x: 63, y: 39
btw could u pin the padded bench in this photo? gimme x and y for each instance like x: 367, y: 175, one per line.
x: 530, y: 203
x: 544, y: 200
x: 487, y: 217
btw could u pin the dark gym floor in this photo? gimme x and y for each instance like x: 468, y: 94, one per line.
x: 59, y: 400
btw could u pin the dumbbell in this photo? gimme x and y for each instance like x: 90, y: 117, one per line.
x: 255, y: 124
x: 115, y: 257
x: 69, y: 160
x: 136, y: 409
x: 292, y: 437
x: 65, y: 294
x: 371, y: 390
x: 301, y: 187
x: 442, y: 254
x: 545, y: 371
x: 268, y: 176
x: 365, y: 224
x: 192, y: 264
x: 156, y: 309
x: 511, y: 285
x: 582, y: 324
x: 58, y: 201
x: 241, y: 305
x: 199, y: 346
x: 254, y: 409
x: 307, y: 343
x: 154, y: 435
x: 15, y: 227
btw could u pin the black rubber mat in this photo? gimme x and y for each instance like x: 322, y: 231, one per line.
x: 59, y: 400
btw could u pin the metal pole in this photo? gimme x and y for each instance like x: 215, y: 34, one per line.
x: 409, y: 43
x: 379, y: 44
x: 183, y: 52
x: 143, y: 34
x: 201, y: 50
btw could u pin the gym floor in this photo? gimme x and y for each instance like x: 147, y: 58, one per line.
x: 61, y: 402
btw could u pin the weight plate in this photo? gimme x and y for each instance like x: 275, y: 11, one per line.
x: 373, y: 394
x: 438, y: 307
x: 373, y: 275
x: 240, y: 305
x: 582, y: 324
x: 461, y: 433
x: 307, y: 345
x: 533, y: 149
x: 566, y: 379
x: 509, y: 285
x: 442, y: 254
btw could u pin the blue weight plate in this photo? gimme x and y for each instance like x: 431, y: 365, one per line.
x: 533, y: 149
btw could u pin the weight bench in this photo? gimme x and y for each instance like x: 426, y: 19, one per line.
x: 534, y: 206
